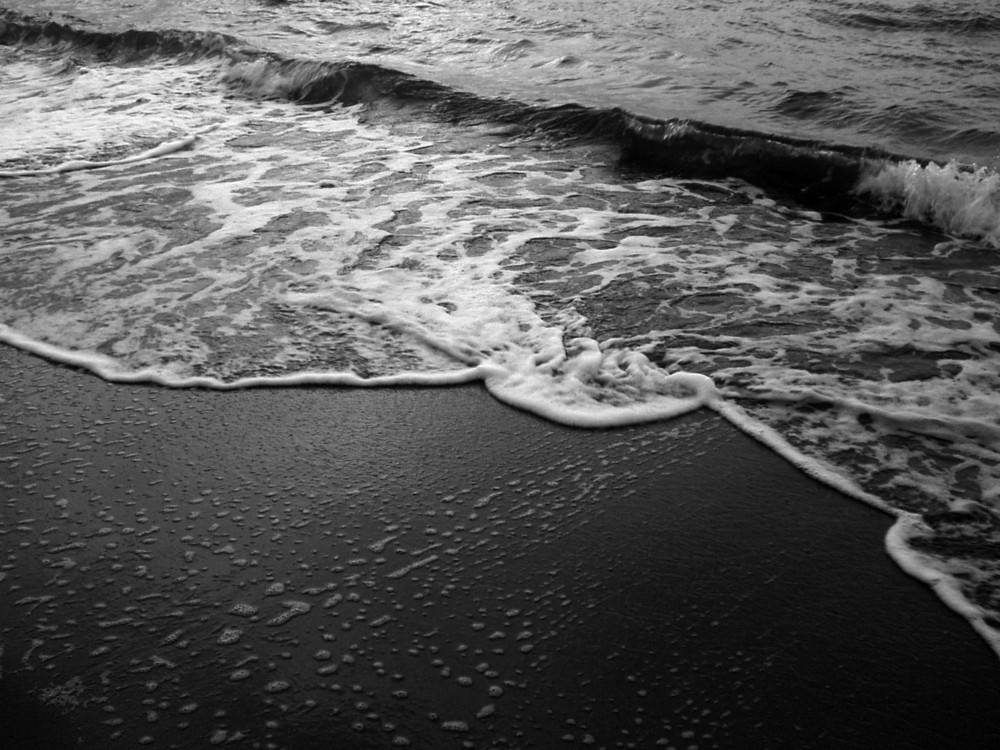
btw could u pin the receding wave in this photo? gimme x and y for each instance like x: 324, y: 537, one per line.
x: 825, y: 177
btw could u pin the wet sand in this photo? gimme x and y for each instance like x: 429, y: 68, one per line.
x: 332, y: 568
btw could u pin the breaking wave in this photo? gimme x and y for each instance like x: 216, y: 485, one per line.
x: 954, y: 198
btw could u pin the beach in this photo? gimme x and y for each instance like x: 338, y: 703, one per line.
x: 327, y: 567
x: 458, y: 375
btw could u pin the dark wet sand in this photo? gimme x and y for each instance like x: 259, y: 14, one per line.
x: 326, y: 568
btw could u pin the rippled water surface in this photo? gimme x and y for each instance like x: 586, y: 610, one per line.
x: 911, y: 77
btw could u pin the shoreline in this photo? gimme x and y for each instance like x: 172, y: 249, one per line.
x: 308, y: 566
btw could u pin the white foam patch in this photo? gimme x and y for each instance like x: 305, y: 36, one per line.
x: 595, y: 388
x: 323, y: 252
x: 62, y: 114
x: 955, y: 198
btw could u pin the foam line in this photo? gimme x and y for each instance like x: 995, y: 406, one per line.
x: 499, y: 381
x: 167, y: 147
x: 942, y: 584
x: 107, y: 369
x: 809, y: 466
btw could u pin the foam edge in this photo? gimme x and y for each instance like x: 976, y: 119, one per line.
x: 942, y: 584
x: 107, y: 369
x: 658, y: 409
x: 909, y: 561
x: 809, y: 466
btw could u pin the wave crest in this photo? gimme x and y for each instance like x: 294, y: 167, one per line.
x: 126, y: 46
x: 957, y: 199
x: 812, y: 173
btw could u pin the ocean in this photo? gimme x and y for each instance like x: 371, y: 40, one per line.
x: 607, y: 212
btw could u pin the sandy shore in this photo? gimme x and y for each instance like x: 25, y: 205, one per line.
x: 317, y: 568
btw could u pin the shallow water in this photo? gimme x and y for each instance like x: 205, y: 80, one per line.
x: 608, y: 213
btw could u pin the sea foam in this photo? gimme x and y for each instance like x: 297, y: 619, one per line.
x: 953, y: 197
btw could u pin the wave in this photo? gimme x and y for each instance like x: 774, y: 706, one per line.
x: 132, y: 45
x: 954, y: 198
x: 812, y: 173
x: 828, y: 107
x: 923, y: 17
x: 830, y: 178
x: 957, y: 199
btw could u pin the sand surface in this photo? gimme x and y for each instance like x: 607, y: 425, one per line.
x: 332, y: 568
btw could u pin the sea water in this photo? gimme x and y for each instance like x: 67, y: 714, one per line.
x: 608, y: 212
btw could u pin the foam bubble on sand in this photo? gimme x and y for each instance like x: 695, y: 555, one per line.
x: 229, y: 636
